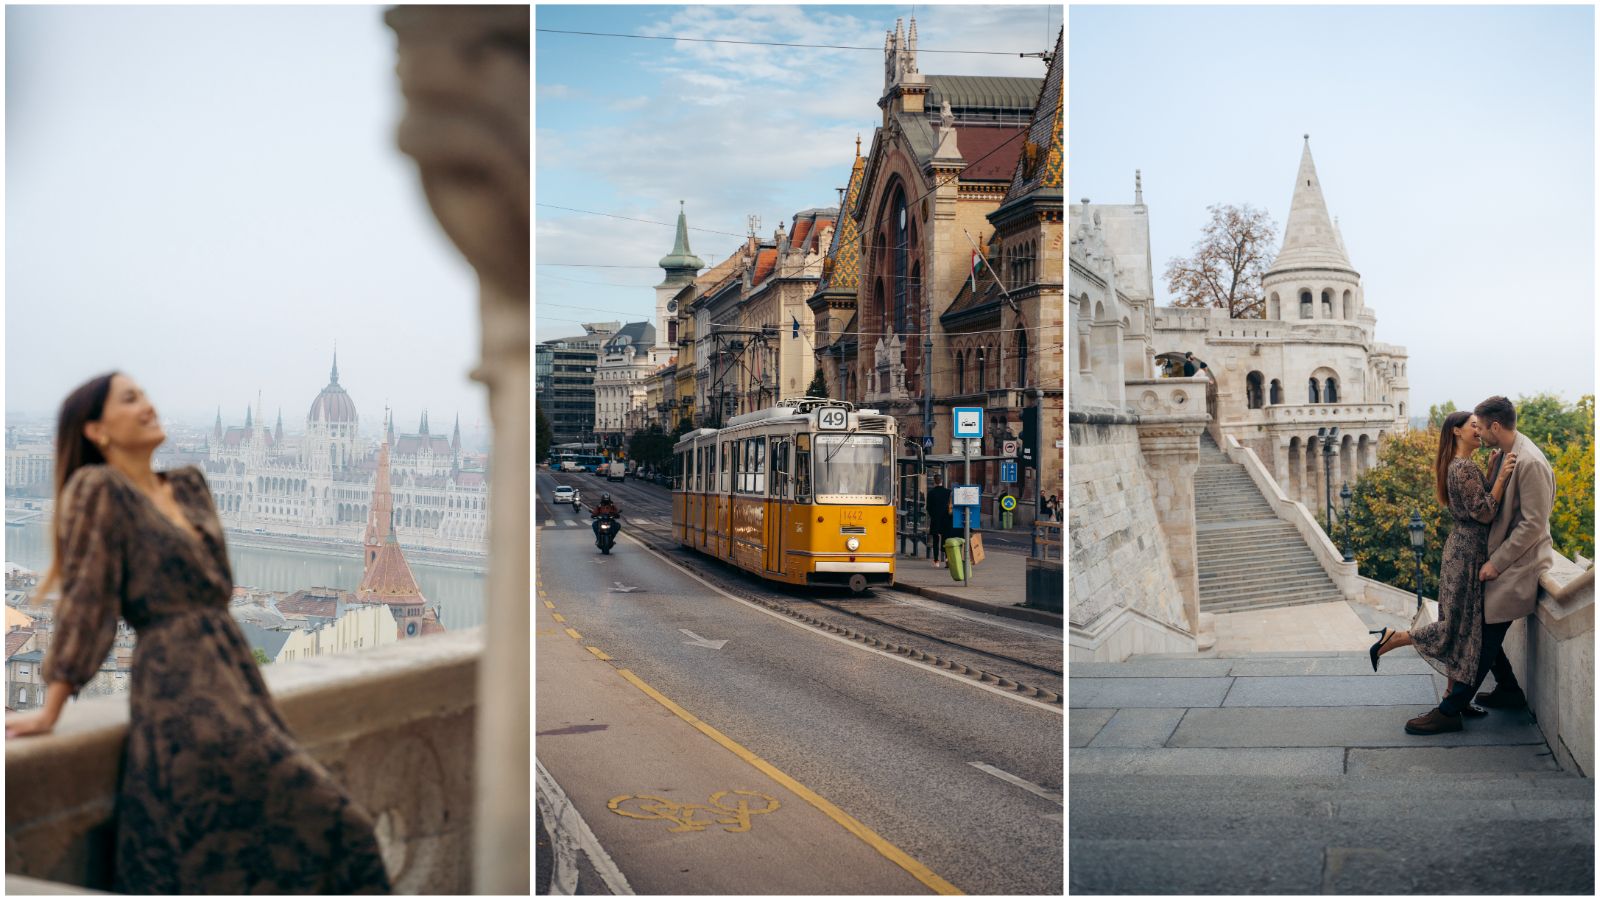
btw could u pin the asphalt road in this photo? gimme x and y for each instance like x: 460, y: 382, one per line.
x: 891, y: 743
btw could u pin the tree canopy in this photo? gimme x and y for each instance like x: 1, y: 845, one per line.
x: 1227, y: 264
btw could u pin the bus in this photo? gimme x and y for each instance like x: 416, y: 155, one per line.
x: 801, y: 493
x: 573, y: 462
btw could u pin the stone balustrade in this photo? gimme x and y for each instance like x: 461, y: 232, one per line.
x: 1336, y: 413
x: 1552, y: 652
x: 395, y: 725
x: 1296, y: 514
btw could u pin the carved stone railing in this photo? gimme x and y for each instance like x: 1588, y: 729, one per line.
x: 1552, y: 652
x: 394, y: 725
x: 1295, y: 513
x: 1334, y: 412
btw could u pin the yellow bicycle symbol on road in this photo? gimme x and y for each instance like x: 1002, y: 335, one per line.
x: 733, y: 814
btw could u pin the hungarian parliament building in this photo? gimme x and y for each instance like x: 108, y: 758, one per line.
x: 320, y: 485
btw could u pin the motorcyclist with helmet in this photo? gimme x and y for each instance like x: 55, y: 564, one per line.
x: 603, y: 509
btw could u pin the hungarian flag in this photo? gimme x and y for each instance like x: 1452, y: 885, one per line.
x: 976, y: 261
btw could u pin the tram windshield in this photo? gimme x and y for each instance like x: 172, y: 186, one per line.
x: 854, y: 465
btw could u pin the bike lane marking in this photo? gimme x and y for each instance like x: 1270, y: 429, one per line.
x: 667, y: 772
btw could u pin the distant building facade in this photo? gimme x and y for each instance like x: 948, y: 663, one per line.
x: 565, y: 372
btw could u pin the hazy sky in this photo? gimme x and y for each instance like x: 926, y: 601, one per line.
x: 1455, y: 144
x: 209, y: 198
x: 630, y: 127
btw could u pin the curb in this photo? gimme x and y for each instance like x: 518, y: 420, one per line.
x: 1027, y: 614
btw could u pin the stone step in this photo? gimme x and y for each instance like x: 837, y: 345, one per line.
x: 1287, y: 568
x: 1286, y: 582
x: 1279, y: 603
x: 1230, y: 864
x: 1228, y: 549
x: 1235, y: 558
x: 1215, y: 509
x: 1264, y: 529
x: 1491, y: 782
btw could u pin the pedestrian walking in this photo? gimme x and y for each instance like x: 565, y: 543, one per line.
x: 938, y: 510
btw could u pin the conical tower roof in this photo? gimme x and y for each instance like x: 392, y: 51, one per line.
x: 389, y: 578
x: 681, y: 257
x: 1310, y: 240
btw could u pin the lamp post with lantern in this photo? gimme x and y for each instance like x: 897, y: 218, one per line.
x: 1417, y: 538
x: 1344, y: 514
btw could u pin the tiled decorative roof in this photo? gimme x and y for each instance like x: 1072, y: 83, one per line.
x: 388, y: 579
x: 992, y: 151
x: 469, y: 479
x: 842, y: 268
x: 1039, y: 165
x: 411, y: 445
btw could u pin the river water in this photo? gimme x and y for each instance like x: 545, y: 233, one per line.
x: 458, y: 593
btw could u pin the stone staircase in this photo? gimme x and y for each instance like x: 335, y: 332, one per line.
x: 1293, y: 775
x: 1248, y: 558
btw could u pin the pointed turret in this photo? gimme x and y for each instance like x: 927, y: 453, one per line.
x: 681, y: 259
x: 248, y: 423
x: 422, y: 427
x: 1310, y: 240
x: 455, y: 436
x: 216, y: 432
x: 381, y: 510
x: 333, y: 376
x: 388, y: 429
x: 277, y: 433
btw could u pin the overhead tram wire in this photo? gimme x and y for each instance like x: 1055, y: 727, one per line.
x: 657, y: 37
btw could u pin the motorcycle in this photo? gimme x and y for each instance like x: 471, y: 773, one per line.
x: 605, y: 530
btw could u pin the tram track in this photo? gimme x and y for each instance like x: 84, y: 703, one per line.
x: 1028, y: 668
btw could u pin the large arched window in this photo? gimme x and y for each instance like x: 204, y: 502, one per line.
x: 1275, y: 395
x: 899, y: 240
x: 1314, y: 396
x: 1330, y: 390
x: 1305, y: 304
x: 1327, y: 304
x: 961, y: 372
x: 1022, y: 357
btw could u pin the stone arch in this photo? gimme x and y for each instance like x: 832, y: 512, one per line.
x: 1296, y: 468
x: 1022, y: 356
x: 961, y: 371
x: 1328, y: 381
x: 1275, y: 396
x: 1314, y: 391
x: 1306, y: 311
x: 1254, y: 390
x: 1327, y: 304
x: 1349, y: 304
x: 1273, y: 310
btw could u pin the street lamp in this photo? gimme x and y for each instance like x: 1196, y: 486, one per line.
x: 1344, y: 514
x: 1328, y: 436
x: 1417, y: 539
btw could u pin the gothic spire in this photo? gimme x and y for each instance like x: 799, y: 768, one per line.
x: 422, y: 429
x: 1309, y: 240
x: 455, y: 436
x: 333, y: 376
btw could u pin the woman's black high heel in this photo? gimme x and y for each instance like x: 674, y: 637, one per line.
x: 1379, y: 646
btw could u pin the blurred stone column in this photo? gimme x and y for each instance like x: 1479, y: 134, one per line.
x: 465, y: 76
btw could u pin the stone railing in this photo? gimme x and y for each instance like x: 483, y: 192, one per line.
x: 1392, y: 600
x: 1313, y: 413
x: 1295, y: 513
x: 395, y: 725
x: 1552, y: 652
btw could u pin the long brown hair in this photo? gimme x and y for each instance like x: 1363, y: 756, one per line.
x: 1447, y: 452
x: 74, y: 451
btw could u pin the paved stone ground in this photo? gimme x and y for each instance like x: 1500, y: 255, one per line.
x: 1313, y: 627
x: 1292, y: 773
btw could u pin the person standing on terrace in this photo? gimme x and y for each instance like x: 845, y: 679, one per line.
x: 215, y: 797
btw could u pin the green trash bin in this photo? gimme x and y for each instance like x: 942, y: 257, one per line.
x: 955, y: 559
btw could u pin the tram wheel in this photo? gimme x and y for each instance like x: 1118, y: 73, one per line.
x: 858, y: 583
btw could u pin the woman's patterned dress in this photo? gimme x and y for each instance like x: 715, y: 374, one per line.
x: 216, y: 797
x: 1454, y: 643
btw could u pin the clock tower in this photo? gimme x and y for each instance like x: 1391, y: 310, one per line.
x: 681, y: 266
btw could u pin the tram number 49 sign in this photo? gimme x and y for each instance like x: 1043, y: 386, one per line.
x: 833, y: 419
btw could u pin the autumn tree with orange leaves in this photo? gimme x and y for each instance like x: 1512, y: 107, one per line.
x: 1228, y: 262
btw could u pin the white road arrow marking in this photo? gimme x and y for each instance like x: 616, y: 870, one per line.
x: 703, y: 642
x: 618, y: 586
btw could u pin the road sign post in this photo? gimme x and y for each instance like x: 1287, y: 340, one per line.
x: 969, y: 425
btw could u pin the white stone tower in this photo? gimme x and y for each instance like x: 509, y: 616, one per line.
x: 681, y: 266
x: 1312, y: 277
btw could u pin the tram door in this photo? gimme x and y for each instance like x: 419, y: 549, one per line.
x: 777, y: 502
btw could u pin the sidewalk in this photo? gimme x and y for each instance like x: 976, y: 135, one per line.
x: 996, y: 586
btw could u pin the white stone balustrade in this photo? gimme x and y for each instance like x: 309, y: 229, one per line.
x: 1552, y: 652
x: 394, y: 725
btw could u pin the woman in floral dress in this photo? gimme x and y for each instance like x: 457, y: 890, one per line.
x: 215, y: 796
x: 1453, y: 644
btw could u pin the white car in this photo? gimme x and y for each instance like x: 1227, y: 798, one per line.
x: 565, y: 494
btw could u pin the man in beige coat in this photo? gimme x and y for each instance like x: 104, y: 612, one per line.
x: 1519, y: 552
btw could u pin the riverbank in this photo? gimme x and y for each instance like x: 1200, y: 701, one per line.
x: 321, y: 547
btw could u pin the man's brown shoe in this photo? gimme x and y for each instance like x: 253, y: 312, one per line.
x: 1503, y: 698
x: 1434, y: 722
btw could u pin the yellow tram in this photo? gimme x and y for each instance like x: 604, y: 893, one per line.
x: 801, y: 493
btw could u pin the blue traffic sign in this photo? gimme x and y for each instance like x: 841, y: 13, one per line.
x: 927, y: 443
x: 968, y: 422
x: 1008, y: 470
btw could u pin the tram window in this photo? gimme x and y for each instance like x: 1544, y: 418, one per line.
x: 758, y: 478
x: 802, y: 470
x: 722, y: 471
x: 780, y: 467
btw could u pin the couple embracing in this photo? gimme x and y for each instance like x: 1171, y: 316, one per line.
x: 1489, y: 579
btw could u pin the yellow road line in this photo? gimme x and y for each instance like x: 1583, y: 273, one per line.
x: 574, y: 633
x: 550, y: 605
x: 559, y: 617
x: 900, y: 858
x: 599, y: 653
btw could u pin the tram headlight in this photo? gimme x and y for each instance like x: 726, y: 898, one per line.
x: 852, y: 544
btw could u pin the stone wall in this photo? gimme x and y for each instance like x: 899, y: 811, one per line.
x: 1552, y: 653
x: 396, y: 727
x: 1124, y: 597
